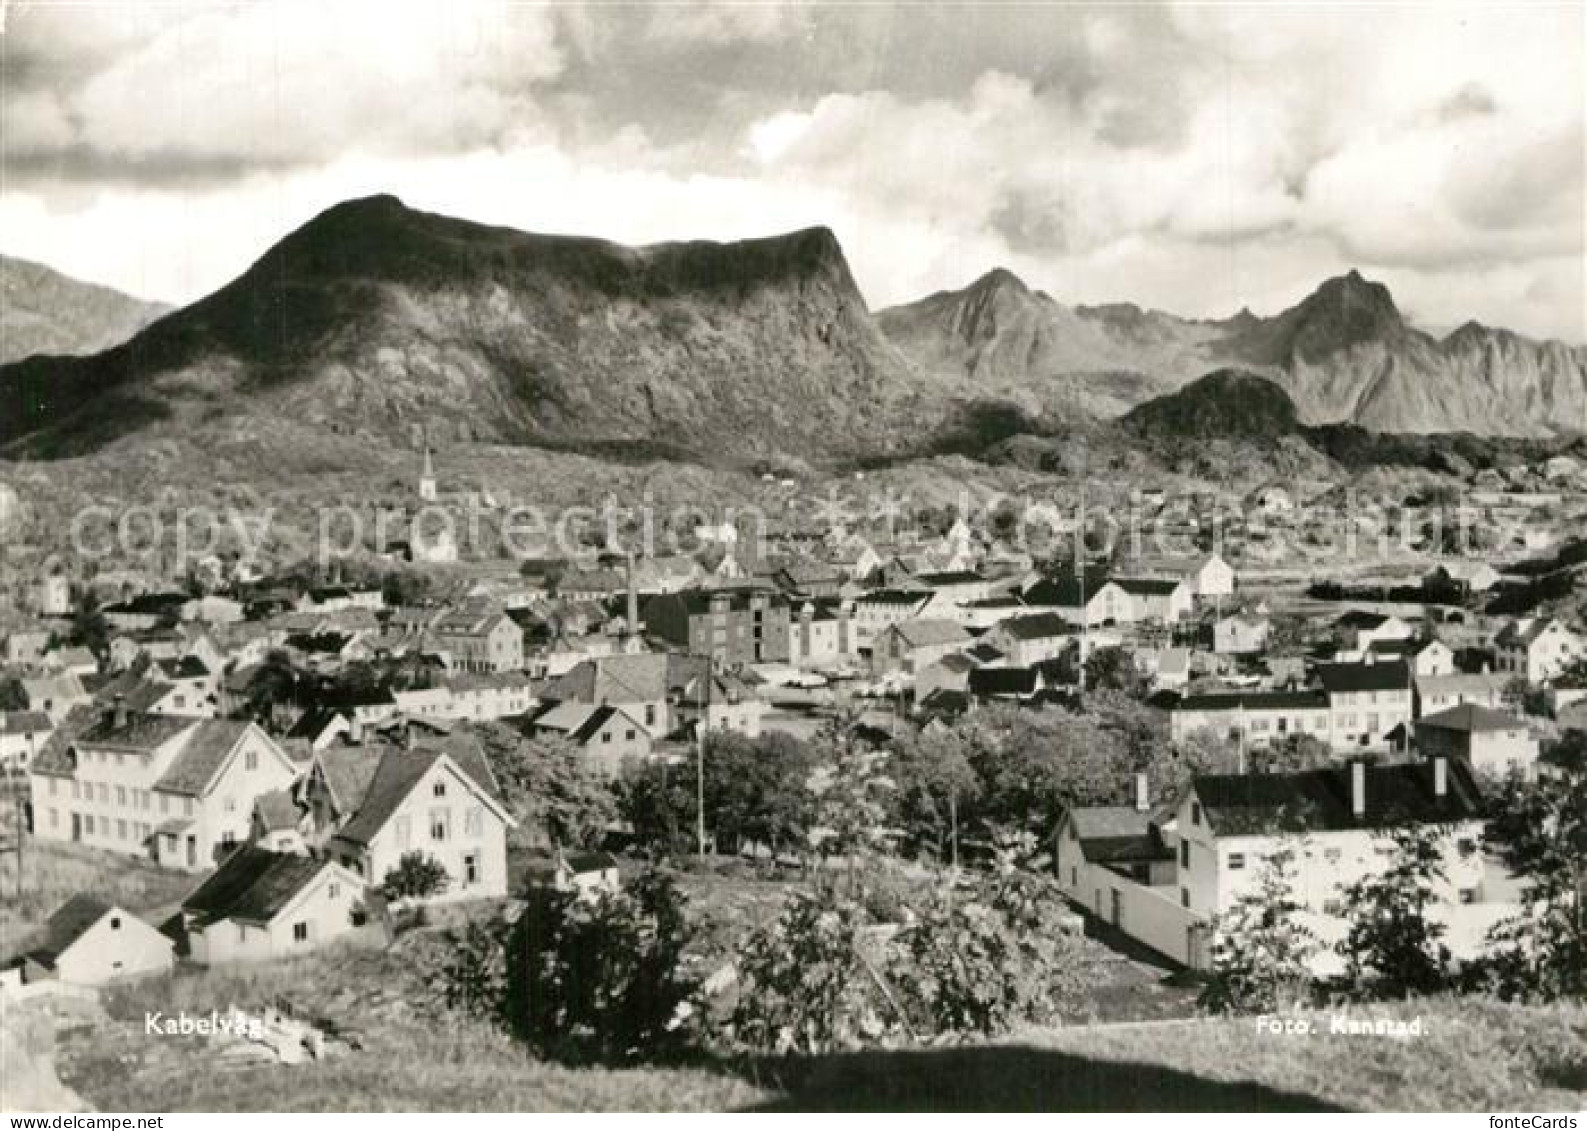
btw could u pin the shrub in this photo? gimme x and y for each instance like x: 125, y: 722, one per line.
x: 605, y: 974
x: 417, y: 875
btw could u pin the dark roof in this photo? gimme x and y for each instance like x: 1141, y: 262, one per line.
x: 1254, y: 701
x: 70, y: 921
x: 1063, y: 589
x: 55, y: 758
x: 137, y: 731
x: 395, y: 777
x: 1148, y: 586
x: 1003, y: 681
x: 200, y: 759
x: 581, y: 863
x: 1383, y: 675
x: 1037, y: 626
x: 23, y: 722
x: 1471, y: 718
x: 1118, y: 834
x: 1361, y: 618
x: 1320, y: 800
x: 895, y: 597
x: 950, y: 577
x: 253, y: 884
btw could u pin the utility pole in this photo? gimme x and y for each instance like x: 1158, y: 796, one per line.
x: 1080, y: 577
x: 699, y: 765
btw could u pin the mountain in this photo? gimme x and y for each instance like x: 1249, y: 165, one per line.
x: 375, y: 317
x: 1345, y: 354
x: 1228, y: 403
x: 43, y: 311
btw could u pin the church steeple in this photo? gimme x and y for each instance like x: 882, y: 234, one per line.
x: 427, y: 476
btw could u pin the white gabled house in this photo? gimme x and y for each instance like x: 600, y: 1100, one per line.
x: 260, y: 905
x: 177, y: 790
x: 90, y: 942
x: 1536, y: 649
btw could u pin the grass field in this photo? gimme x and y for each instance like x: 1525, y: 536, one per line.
x: 53, y: 872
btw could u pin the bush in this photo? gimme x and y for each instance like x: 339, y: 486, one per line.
x: 605, y: 976
x: 416, y: 876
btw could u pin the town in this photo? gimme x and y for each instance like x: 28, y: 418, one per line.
x: 330, y: 755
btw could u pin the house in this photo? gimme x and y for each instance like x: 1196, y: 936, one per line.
x: 1163, y: 875
x: 1367, y: 702
x: 178, y: 790
x: 820, y: 633
x: 1240, y: 635
x: 1257, y: 718
x: 26, y: 646
x: 950, y: 673
x: 880, y: 609
x: 22, y: 735
x: 810, y: 579
x: 638, y: 683
x: 1366, y: 628
x: 912, y: 644
x: 1167, y: 668
x: 1103, y: 601
x: 1461, y: 578
x: 260, y: 905
x: 276, y: 822
x: 1125, y: 839
x: 1493, y: 742
x: 1227, y: 825
x: 1030, y: 640
x: 953, y: 587
x: 90, y: 942
x: 606, y: 736
x: 1021, y: 685
x: 1536, y: 649
x: 1211, y: 579
x: 319, y: 728
x: 1159, y: 600
x: 588, y: 874
x: 1438, y: 693
x: 367, y: 806
x: 479, y: 638
x: 703, y: 695
x: 746, y: 626
x: 1429, y: 657
x: 55, y: 695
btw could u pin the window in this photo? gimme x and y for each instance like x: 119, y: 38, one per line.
x: 1195, y: 812
x: 650, y: 714
x: 629, y: 734
x: 1236, y: 861
x: 300, y: 932
x: 1468, y: 895
x: 438, y: 789
x: 470, y: 869
x: 115, y: 922
x: 164, y: 803
x: 1333, y: 907
x: 474, y: 821
x: 333, y: 890
x: 438, y: 824
x: 230, y: 805
x: 1184, y: 854
x: 1466, y: 845
x: 121, y: 830
x: 1184, y: 897
x: 606, y: 736
x: 250, y: 760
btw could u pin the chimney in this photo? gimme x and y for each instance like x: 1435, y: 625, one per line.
x: 118, y: 711
x: 1440, y: 777
x: 1143, y: 793
x: 1358, y: 789
x: 633, y: 597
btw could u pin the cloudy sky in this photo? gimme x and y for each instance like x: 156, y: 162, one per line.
x: 1195, y: 158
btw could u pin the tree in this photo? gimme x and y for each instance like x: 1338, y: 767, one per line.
x: 273, y: 687
x: 935, y: 781
x: 1539, y: 829
x: 757, y: 790
x: 417, y: 875
x: 1261, y: 952
x: 1392, y: 949
x: 1113, y: 669
x: 1291, y: 753
x: 804, y: 984
x: 657, y: 800
x: 982, y: 960
x: 605, y: 973
x: 89, y: 628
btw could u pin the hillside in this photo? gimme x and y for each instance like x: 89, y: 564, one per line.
x: 383, y: 319
x: 45, y: 312
x: 1345, y: 354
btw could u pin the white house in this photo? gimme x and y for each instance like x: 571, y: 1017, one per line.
x: 89, y: 942
x: 260, y: 905
x: 177, y: 790
x: 1536, y: 649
